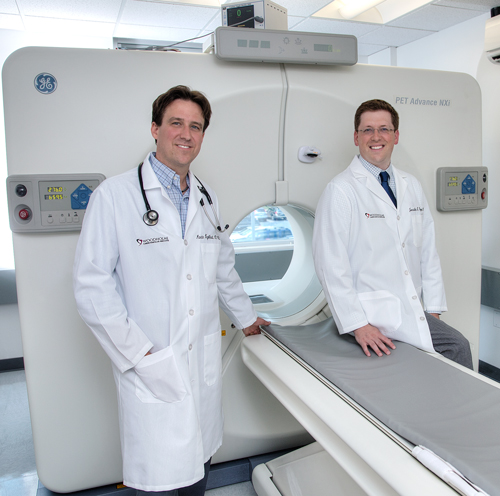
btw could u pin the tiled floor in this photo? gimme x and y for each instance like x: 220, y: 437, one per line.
x: 17, y: 458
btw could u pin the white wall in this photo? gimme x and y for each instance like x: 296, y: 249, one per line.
x: 456, y: 49
x: 488, y: 77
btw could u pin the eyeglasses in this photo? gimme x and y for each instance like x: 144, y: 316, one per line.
x: 369, y: 131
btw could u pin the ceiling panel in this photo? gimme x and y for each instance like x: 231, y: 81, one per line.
x: 481, y: 5
x: 302, y: 8
x: 365, y: 50
x: 90, y: 10
x: 434, y: 18
x: 8, y: 7
x: 214, y: 23
x: 73, y: 27
x: 182, y: 19
x: 168, y: 15
x: 315, y: 25
x: 9, y: 21
x: 294, y: 20
x: 387, y: 35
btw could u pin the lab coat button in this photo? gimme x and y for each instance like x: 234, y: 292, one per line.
x: 189, y: 277
x: 414, y: 297
x: 422, y: 318
x: 185, y: 242
x: 399, y: 217
x: 403, y: 245
x: 191, y: 312
x: 190, y: 347
x: 406, y: 272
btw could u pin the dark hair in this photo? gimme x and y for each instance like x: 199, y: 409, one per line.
x: 181, y: 93
x: 373, y: 106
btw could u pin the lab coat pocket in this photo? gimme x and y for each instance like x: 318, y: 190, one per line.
x: 210, y: 257
x: 382, y: 310
x: 213, y: 360
x: 416, y: 221
x: 158, y: 378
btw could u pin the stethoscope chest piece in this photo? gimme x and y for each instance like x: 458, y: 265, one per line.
x: 151, y: 217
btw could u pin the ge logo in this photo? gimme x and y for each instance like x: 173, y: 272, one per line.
x: 45, y: 83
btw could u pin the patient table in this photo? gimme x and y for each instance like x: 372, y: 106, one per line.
x: 371, y: 415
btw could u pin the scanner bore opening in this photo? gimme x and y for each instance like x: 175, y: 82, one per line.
x: 274, y: 260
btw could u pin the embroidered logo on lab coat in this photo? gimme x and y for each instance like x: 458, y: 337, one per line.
x: 375, y: 216
x: 148, y: 241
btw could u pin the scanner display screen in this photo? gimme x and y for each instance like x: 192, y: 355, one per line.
x: 240, y: 14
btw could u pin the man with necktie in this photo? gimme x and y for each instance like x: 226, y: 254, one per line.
x: 374, y: 248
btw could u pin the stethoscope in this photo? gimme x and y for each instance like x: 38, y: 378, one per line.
x: 151, y: 217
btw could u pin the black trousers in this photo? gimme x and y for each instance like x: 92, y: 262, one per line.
x: 449, y: 342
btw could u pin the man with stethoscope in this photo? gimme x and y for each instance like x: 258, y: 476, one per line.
x: 152, y: 266
x: 374, y: 248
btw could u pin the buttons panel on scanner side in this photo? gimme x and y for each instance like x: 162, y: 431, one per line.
x: 49, y: 202
x: 461, y: 188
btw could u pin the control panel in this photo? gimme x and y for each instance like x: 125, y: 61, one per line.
x: 291, y: 47
x: 49, y: 202
x: 461, y: 188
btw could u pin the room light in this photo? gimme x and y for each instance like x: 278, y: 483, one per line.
x: 353, y: 8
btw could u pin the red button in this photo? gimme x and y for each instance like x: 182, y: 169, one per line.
x: 483, y: 195
x: 24, y: 214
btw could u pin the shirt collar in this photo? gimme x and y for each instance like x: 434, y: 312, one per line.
x: 373, y: 169
x: 165, y: 174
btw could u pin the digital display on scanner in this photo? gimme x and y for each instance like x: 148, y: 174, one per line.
x: 323, y: 48
x: 65, y: 195
x: 240, y: 14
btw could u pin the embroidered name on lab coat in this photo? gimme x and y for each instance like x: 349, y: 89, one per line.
x: 207, y: 236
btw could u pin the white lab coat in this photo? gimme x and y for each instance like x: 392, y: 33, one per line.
x: 376, y: 263
x: 142, y: 288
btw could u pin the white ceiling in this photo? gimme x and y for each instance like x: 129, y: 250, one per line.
x: 177, y: 21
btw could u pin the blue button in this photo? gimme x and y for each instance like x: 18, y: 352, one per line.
x: 468, y: 185
x: 80, y: 197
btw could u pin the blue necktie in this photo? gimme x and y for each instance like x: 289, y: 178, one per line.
x: 384, y: 177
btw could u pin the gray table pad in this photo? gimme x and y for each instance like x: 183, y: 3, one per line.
x: 424, y: 400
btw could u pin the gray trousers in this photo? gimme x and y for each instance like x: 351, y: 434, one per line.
x: 197, y: 489
x: 449, y: 342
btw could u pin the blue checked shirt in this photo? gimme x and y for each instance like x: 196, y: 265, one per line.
x: 172, y: 184
x: 372, y: 169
